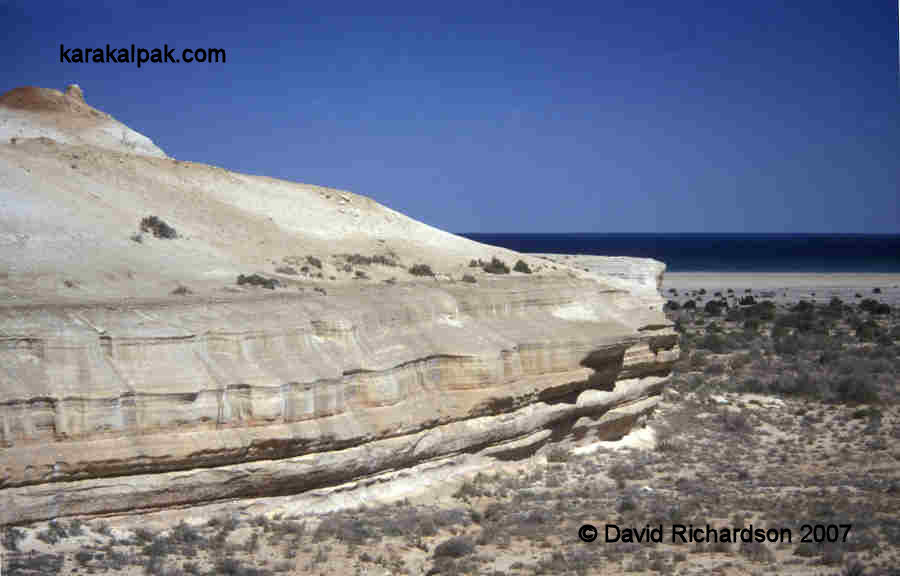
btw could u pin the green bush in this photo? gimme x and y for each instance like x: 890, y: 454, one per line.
x: 468, y: 278
x: 522, y: 266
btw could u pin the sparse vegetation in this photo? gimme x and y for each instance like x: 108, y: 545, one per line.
x: 522, y: 266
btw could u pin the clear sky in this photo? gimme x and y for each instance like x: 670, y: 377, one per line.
x: 623, y: 116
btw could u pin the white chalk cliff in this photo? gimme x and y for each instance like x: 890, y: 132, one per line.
x: 120, y: 392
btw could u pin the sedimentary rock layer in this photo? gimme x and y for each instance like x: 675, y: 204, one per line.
x: 255, y: 397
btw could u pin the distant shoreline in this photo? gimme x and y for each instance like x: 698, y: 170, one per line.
x: 788, y: 286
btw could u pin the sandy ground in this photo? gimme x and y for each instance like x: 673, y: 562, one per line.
x: 787, y: 286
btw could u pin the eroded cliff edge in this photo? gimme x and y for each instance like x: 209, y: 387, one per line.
x: 116, y: 395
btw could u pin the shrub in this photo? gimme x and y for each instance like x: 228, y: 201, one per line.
x: 289, y: 270
x: 522, y: 266
x: 468, y: 278
x: 672, y: 305
x: 84, y: 556
x: 314, y: 262
x: 421, y: 270
x: 747, y: 301
x: 360, y: 260
x: 475, y: 263
x: 257, y: 280
x: 690, y: 305
x: 455, y: 547
x: 158, y: 227
x: 764, y: 310
x: 181, y: 291
x: 714, y: 343
x: 874, y: 306
x: 714, y: 369
x: 736, y: 421
x: 495, y: 266
x: 137, y: 238
x: 876, y: 290
x: 868, y: 331
x: 734, y: 315
x: 855, y: 389
x: 360, y: 275
x: 787, y: 345
x: 714, y: 307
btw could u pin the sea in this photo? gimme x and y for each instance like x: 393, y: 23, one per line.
x: 810, y: 253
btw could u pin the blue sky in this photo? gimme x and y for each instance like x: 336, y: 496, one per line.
x: 626, y: 116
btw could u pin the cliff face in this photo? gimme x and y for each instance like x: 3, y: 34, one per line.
x: 116, y: 394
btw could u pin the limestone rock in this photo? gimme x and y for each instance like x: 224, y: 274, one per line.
x: 117, y: 395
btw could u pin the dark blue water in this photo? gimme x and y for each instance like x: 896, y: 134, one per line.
x: 723, y: 252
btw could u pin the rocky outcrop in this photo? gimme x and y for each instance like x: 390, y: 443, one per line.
x: 645, y: 275
x: 117, y: 394
x: 74, y: 91
x: 32, y: 112
x: 251, y: 398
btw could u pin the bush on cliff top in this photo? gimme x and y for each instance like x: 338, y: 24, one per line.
x: 158, y: 227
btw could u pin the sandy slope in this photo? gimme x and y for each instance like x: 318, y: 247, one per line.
x: 72, y: 198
